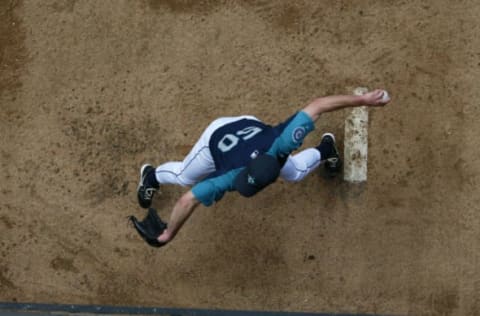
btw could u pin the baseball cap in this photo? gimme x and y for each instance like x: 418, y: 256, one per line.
x: 259, y: 173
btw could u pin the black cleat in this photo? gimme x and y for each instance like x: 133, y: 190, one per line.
x: 145, y: 190
x: 333, y: 163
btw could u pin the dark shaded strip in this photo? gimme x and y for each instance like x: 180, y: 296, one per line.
x: 34, y: 309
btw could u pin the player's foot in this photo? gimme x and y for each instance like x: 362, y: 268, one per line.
x: 329, y: 153
x: 146, y: 189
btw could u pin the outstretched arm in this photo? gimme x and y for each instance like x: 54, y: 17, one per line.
x: 205, y: 192
x: 336, y: 102
x: 181, y: 212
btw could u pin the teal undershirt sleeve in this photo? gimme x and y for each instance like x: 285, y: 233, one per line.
x: 212, y: 190
x: 292, y: 136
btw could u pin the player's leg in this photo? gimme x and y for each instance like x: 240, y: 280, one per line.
x: 197, y: 165
x: 302, y: 164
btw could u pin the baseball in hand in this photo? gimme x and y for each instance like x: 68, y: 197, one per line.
x: 385, y: 96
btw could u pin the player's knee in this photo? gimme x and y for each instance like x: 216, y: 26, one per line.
x: 185, y: 182
x: 297, y: 177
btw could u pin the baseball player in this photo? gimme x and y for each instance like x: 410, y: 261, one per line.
x: 244, y: 154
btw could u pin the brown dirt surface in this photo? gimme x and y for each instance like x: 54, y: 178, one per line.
x: 90, y: 90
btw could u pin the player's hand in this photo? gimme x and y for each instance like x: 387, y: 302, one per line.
x: 376, y: 98
x: 165, y: 237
